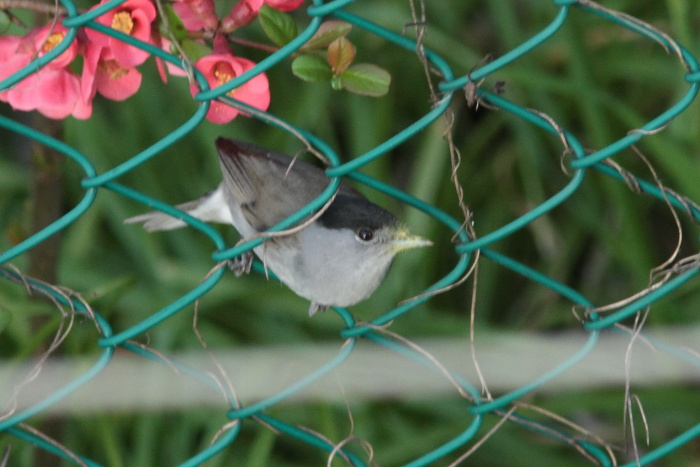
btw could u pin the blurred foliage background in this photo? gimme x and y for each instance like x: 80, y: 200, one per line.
x: 594, y: 78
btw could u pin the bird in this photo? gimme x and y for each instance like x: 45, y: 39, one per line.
x: 337, y: 260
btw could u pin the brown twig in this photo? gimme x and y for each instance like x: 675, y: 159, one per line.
x: 38, y: 7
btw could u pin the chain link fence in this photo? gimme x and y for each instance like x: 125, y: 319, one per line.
x: 483, y: 413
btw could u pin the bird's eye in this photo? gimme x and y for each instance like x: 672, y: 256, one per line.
x: 365, y: 234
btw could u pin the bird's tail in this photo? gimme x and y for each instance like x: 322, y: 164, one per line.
x: 209, y: 208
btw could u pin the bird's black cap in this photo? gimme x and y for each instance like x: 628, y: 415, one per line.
x: 352, y: 212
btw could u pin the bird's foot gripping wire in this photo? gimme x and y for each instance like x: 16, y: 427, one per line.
x: 316, y: 308
x: 241, y: 264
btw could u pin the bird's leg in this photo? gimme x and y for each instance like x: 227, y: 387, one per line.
x: 241, y: 264
x: 316, y: 308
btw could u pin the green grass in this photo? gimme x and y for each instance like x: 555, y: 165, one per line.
x: 594, y: 79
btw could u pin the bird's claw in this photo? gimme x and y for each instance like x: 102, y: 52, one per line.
x: 316, y: 308
x: 241, y: 264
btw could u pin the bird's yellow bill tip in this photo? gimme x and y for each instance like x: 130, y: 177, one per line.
x: 405, y: 241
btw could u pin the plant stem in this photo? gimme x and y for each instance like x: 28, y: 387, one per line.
x: 39, y: 7
x: 46, y: 206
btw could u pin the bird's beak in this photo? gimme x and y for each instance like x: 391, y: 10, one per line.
x: 404, y: 240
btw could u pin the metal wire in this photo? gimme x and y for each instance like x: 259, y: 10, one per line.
x: 450, y: 87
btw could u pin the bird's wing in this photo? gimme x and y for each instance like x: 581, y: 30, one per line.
x: 262, y: 183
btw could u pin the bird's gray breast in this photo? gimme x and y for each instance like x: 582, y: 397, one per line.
x: 332, y: 268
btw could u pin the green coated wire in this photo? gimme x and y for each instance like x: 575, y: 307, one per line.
x: 464, y: 251
x: 36, y: 64
x: 285, y: 224
x: 85, y: 377
x: 222, y: 443
x: 308, y: 438
x: 511, y: 55
x: 413, y: 354
x: 558, y: 287
x: 512, y: 396
x: 649, y: 188
x: 258, y: 407
x: 667, y: 448
x: 643, y: 302
x: 74, y: 213
x: 263, y: 65
x: 45, y: 445
x: 450, y: 446
x: 636, y: 136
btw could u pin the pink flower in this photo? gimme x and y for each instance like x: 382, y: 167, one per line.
x: 50, y: 36
x: 54, y: 91
x: 103, y: 74
x: 116, y: 82
x: 284, y: 5
x: 221, y: 68
x: 242, y: 13
x: 245, y: 11
x: 196, y: 14
x: 133, y: 17
x: 12, y: 58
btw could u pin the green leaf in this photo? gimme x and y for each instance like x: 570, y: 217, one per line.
x: 279, y: 27
x: 366, y: 79
x: 327, y: 32
x: 311, y: 68
x: 341, y: 54
x: 175, y: 23
x: 5, y: 21
x: 195, y: 49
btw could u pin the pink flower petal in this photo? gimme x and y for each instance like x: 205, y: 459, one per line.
x: 221, y: 113
x: 284, y: 5
x: 54, y: 93
x: 242, y: 13
x: 222, y: 68
x: 129, y: 55
x: 57, y: 88
x: 51, y: 36
x: 133, y: 17
x: 11, y: 60
x: 92, y: 54
x: 197, y: 14
x: 82, y: 110
x: 115, y: 82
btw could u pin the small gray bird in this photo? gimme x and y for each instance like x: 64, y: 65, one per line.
x: 337, y: 260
